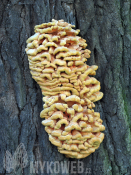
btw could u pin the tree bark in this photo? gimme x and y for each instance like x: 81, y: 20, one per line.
x: 106, y: 25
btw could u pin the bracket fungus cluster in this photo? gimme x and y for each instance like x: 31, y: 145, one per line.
x: 57, y: 59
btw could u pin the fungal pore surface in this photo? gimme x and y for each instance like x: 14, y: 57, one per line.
x: 57, y: 59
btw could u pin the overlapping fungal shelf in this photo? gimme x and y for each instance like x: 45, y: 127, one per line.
x: 57, y: 63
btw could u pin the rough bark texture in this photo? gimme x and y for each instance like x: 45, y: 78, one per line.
x: 106, y: 25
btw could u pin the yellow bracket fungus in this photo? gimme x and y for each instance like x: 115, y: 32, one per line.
x: 57, y: 63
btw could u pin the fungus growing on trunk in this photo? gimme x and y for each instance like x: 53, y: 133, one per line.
x: 57, y: 63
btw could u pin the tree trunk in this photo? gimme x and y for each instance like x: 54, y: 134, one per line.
x: 106, y: 25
